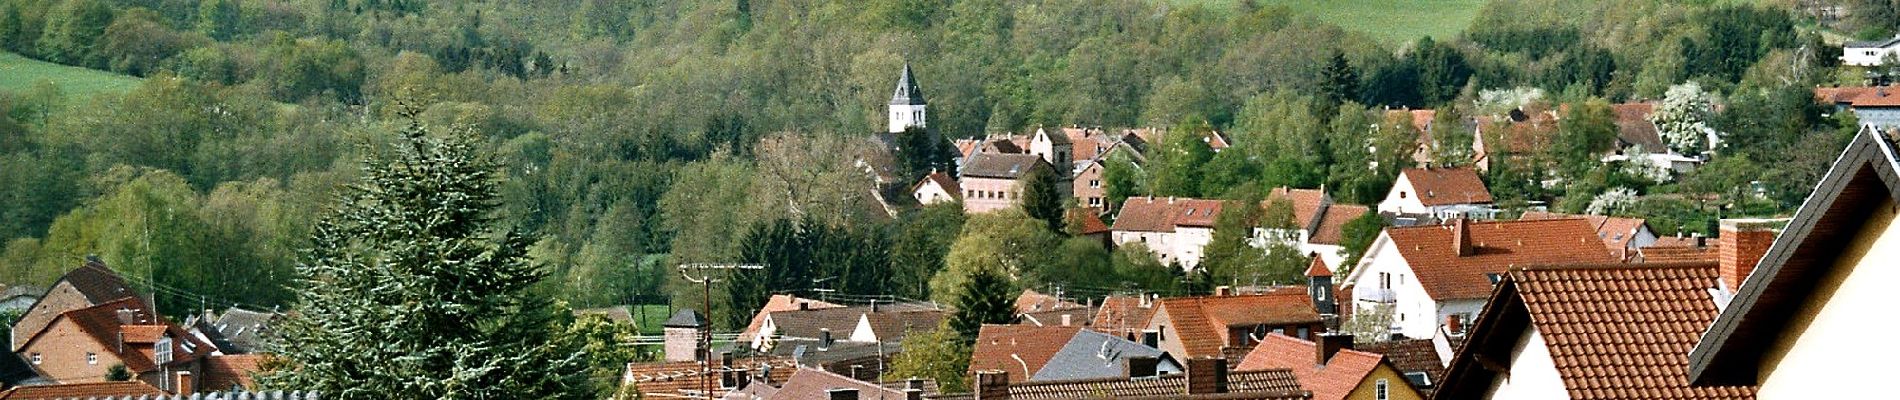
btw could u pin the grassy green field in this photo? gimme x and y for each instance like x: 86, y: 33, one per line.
x: 1390, y: 21
x: 18, y: 74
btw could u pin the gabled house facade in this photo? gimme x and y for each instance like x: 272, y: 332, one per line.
x: 1019, y: 349
x: 1319, y: 224
x: 1869, y: 53
x: 1438, y: 194
x: 993, y: 182
x: 1175, y: 229
x: 937, y: 187
x: 89, y: 285
x: 1329, y: 367
x: 82, y: 346
x: 1214, y: 326
x: 1434, y: 276
x: 1797, y: 326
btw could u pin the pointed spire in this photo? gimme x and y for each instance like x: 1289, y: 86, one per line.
x: 907, y: 93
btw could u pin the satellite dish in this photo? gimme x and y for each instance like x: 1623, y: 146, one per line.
x: 798, y: 353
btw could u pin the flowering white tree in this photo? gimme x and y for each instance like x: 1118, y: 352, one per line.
x: 1612, y: 201
x: 1683, y: 119
x: 1499, y: 101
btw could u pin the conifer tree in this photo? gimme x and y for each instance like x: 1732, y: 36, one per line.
x: 410, y: 290
x: 986, y: 298
x: 1040, y: 198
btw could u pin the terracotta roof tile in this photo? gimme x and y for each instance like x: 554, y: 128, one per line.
x: 1332, y: 223
x: 1318, y: 268
x: 1149, y: 214
x: 1444, y: 186
x: 1616, y: 232
x: 1408, y: 356
x: 230, y: 371
x: 782, y: 302
x: 1272, y: 383
x: 672, y: 379
x: 81, y: 391
x: 1624, y: 331
x: 813, y: 383
x: 1000, y: 347
x: 1120, y: 315
x: 1201, y: 322
x: 103, y: 324
x: 1833, y: 95
x: 1307, y: 204
x: 942, y: 180
x: 1332, y: 381
x: 1691, y: 253
x: 1032, y: 301
x: 1878, y: 97
x: 1634, y: 128
x: 1496, y: 247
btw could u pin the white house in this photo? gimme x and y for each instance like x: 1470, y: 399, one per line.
x: 1175, y: 229
x: 935, y: 188
x: 1438, y: 193
x: 1869, y: 53
x: 1429, y: 274
x: 1319, y: 224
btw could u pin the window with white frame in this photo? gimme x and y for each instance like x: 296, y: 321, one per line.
x: 163, y: 351
x: 92, y: 358
x: 36, y: 359
x: 1380, y: 390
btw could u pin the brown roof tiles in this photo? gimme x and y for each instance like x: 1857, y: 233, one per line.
x: 1332, y: 381
x: 81, y: 391
x: 1149, y: 214
x: 1001, y: 166
x: 1496, y: 247
x: 1444, y: 186
x: 1614, y: 332
x: 1202, y: 321
x: 1265, y: 384
x: 1020, y: 349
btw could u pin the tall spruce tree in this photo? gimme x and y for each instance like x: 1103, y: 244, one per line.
x: 1040, y: 198
x: 410, y: 291
x: 986, y: 298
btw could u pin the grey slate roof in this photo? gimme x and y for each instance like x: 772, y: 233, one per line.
x: 1093, y: 355
x: 14, y: 371
x: 1872, y: 43
x: 1004, y: 166
x: 907, y: 93
x: 686, y: 319
x: 240, y: 331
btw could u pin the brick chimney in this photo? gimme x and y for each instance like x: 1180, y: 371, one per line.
x: 842, y: 394
x: 1461, y: 237
x: 1329, y: 344
x: 183, y: 383
x: 1454, y: 325
x: 992, y: 385
x: 1206, y: 376
x: 1742, y: 243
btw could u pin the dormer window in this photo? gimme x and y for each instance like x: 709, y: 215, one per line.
x: 163, y: 351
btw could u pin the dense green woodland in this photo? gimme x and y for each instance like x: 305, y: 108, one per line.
x: 634, y: 135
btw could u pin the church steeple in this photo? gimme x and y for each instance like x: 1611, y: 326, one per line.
x: 907, y: 93
x: 907, y: 103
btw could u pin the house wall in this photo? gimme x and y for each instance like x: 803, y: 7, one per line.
x: 1850, y: 305
x: 931, y: 193
x: 1402, y: 199
x: 1183, y: 246
x: 1090, y: 190
x: 1397, y: 387
x: 1866, y: 56
x: 1533, y: 373
x: 863, y: 332
x: 1414, y: 313
x: 62, y: 349
x: 1880, y: 118
x: 60, y: 299
x: 905, y: 116
x: 981, y: 195
x: 1170, y: 337
x: 1300, y: 239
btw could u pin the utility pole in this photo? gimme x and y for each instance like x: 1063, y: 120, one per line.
x: 706, y: 280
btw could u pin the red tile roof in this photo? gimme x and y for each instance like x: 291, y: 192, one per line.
x: 1620, y: 331
x: 782, y: 302
x: 1332, y: 381
x: 1264, y: 384
x: 1332, y: 223
x: 1149, y: 214
x: 230, y: 371
x: 1496, y: 247
x: 104, y: 325
x: 1020, y: 349
x: 671, y: 379
x: 942, y: 180
x: 1307, y: 204
x: 1120, y: 315
x: 1318, y: 268
x: 812, y: 383
x: 1202, y: 322
x: 1691, y: 253
x: 1845, y: 94
x: 1878, y: 97
x: 81, y: 391
x: 1032, y: 301
x: 1616, y: 232
x: 1410, y: 355
x: 1445, y: 186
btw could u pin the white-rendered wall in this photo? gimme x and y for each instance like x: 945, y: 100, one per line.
x: 1414, y: 312
x: 1865, y: 57
x: 1533, y: 373
x: 1831, y: 357
x: 905, y: 116
x: 1407, y: 205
